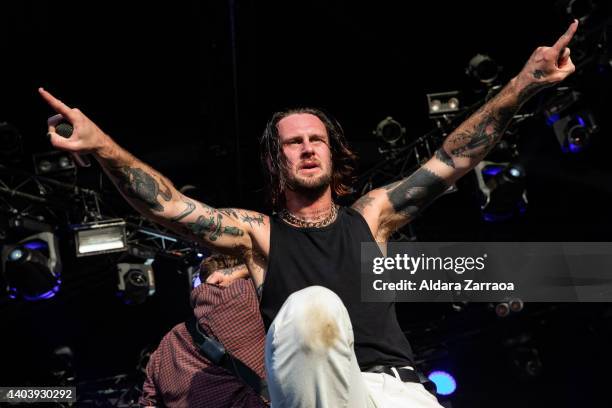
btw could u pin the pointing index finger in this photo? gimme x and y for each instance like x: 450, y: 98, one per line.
x: 565, y: 39
x: 56, y: 104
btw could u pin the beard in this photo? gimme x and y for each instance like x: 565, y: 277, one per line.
x: 310, y: 187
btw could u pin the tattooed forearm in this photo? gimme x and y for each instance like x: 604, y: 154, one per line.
x: 188, y: 210
x: 416, y: 192
x: 362, y: 203
x: 137, y: 183
x: 475, y: 138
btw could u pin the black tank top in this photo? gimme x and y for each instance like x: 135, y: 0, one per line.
x: 330, y: 257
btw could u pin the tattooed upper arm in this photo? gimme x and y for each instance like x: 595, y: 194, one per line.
x: 408, y: 197
x: 224, y: 229
x: 388, y: 208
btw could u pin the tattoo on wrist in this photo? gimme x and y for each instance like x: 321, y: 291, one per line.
x: 416, y: 192
x: 529, y: 91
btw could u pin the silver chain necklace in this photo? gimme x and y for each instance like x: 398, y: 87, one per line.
x: 300, y: 222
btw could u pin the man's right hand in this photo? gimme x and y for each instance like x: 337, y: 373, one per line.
x: 86, y: 137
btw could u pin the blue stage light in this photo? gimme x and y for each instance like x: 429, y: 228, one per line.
x: 445, y: 383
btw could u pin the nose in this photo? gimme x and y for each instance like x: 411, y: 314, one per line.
x: 307, y: 148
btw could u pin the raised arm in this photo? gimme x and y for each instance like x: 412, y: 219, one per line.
x: 152, y: 194
x: 389, y: 208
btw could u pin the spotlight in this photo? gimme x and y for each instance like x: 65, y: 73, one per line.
x: 136, y: 282
x: 390, y: 131
x: 502, y: 309
x: 445, y: 382
x: 100, y: 237
x: 443, y: 103
x: 32, y: 267
x: 483, y: 69
x: 503, y: 185
x: 53, y: 163
x: 516, y: 305
x: 574, y: 132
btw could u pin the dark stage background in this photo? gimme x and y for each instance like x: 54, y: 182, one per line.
x: 188, y: 87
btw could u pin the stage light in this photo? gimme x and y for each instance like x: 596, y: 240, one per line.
x: 32, y: 267
x: 502, y: 309
x: 53, y: 163
x: 390, y: 131
x: 574, y: 131
x: 482, y: 68
x: 516, y: 305
x: 136, y: 282
x: 100, y: 237
x: 445, y: 382
x: 443, y: 103
x: 503, y: 186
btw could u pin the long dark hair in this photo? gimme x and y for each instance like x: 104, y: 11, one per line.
x: 274, y: 161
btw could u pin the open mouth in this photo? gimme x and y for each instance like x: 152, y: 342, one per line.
x: 309, y: 166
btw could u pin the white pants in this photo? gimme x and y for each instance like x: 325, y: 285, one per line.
x: 311, y: 362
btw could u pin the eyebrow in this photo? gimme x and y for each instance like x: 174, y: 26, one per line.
x: 310, y: 136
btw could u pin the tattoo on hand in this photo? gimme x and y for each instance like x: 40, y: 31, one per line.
x: 416, y: 192
x: 538, y: 74
x: 137, y: 183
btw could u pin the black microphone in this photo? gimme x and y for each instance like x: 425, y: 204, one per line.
x: 64, y: 129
